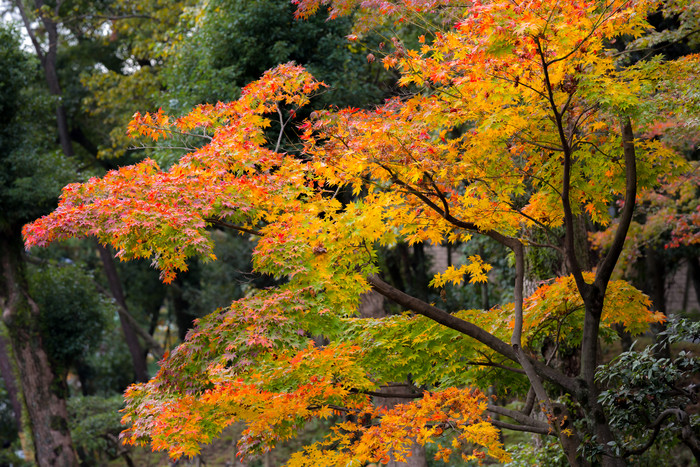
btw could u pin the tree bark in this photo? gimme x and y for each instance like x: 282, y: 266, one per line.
x: 48, y: 58
x: 44, y: 392
x: 8, y: 376
x: 655, y: 286
x: 138, y: 356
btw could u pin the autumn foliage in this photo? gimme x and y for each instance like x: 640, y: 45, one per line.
x: 518, y: 119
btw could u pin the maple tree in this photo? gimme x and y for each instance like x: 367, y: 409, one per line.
x: 519, y: 119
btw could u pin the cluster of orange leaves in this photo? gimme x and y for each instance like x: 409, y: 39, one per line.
x: 145, y: 212
x: 556, y: 309
x: 224, y: 374
x: 359, y: 441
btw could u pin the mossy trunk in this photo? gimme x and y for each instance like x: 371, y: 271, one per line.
x: 44, y: 392
x: 10, y: 375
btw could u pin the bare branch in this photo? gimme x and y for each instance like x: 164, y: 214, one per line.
x: 496, y: 365
x: 518, y: 416
x: 656, y: 425
x: 156, y: 348
x: 387, y: 395
x: 28, y: 28
x: 607, y: 265
x: 526, y: 428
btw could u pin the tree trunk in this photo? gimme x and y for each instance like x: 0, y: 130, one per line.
x: 651, y: 279
x: 49, y: 63
x: 694, y: 272
x: 44, y: 392
x: 10, y: 374
x: 138, y: 356
x: 589, y: 363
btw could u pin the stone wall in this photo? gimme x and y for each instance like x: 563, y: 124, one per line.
x: 680, y: 293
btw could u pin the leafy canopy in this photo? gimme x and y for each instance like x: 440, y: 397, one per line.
x: 504, y: 107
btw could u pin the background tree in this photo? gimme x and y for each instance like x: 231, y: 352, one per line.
x: 214, y: 49
x: 69, y: 39
x: 32, y: 173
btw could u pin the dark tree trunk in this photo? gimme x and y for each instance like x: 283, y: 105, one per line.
x: 655, y: 287
x: 48, y: 60
x: 182, y: 308
x: 694, y: 272
x: 138, y: 356
x: 49, y: 63
x: 8, y: 376
x: 44, y: 392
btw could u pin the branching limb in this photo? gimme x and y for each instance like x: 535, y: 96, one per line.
x: 605, y: 268
x: 282, y: 125
x: 516, y: 337
x: 388, y: 395
x: 536, y: 144
x: 687, y: 436
x: 519, y: 417
x: 500, y: 238
x: 469, y: 329
x: 526, y: 428
x: 496, y: 365
x: 156, y: 348
x: 151, y: 343
x: 28, y: 27
x: 529, y: 402
x: 566, y: 176
x: 219, y: 222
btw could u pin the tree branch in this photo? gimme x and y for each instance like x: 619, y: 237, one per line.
x: 387, y: 395
x: 518, y: 417
x: 156, y: 348
x: 526, y: 428
x: 469, y: 329
x: 516, y: 337
x: 529, y: 402
x: 497, y: 365
x: 510, y: 242
x: 219, y: 222
x: 656, y: 425
x: 569, y: 249
x: 605, y: 268
x: 28, y: 28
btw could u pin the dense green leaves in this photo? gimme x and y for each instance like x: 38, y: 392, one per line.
x: 73, y: 312
x: 649, y: 396
x: 31, y: 171
x: 230, y: 43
